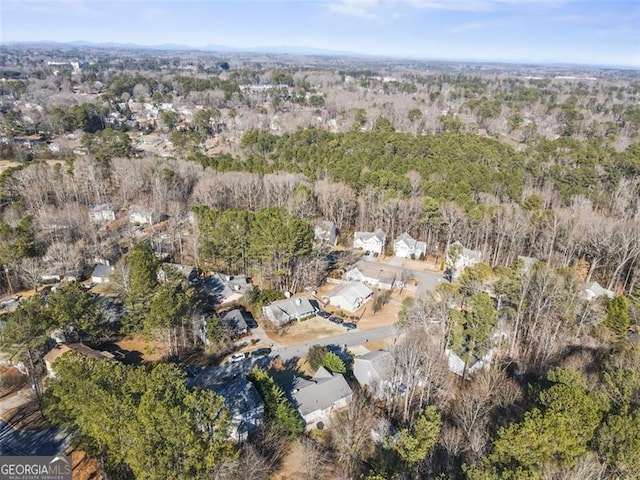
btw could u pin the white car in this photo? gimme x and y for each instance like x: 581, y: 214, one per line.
x: 237, y: 357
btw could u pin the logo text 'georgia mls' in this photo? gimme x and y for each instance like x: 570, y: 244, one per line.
x: 35, y: 468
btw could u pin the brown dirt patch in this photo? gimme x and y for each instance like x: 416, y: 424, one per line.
x: 84, y: 466
x: 10, y: 380
x: 151, y: 350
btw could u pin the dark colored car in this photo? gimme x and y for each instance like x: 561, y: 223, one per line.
x: 324, y: 314
x: 349, y: 326
x: 251, y: 323
x: 261, y: 352
x: 335, y: 319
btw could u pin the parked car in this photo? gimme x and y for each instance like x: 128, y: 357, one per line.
x: 261, y: 352
x: 349, y: 325
x: 237, y: 357
x: 324, y: 314
x: 336, y: 320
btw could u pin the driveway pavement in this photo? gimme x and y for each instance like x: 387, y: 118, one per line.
x: 41, y: 441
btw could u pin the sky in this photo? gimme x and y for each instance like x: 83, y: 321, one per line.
x: 596, y: 32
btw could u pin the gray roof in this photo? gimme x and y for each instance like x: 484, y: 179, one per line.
x: 320, y: 392
x: 379, y: 233
x: 379, y: 361
x: 466, y: 252
x: 411, y: 242
x: 382, y: 271
x: 351, y: 292
x: 239, y: 394
x: 597, y: 290
x: 102, y: 271
x: 235, y: 319
x: 222, y: 287
x: 100, y: 207
x: 290, y: 308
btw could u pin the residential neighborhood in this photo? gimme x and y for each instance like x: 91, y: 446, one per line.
x: 290, y: 263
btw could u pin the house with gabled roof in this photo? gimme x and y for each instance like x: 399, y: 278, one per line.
x: 349, y: 296
x: 374, y: 370
x: 374, y: 274
x: 226, y: 289
x: 245, y: 405
x: 139, y: 215
x: 405, y: 246
x: 325, y: 234
x: 101, y: 213
x: 592, y: 290
x: 318, y: 397
x: 284, y: 311
x: 370, y: 241
x: 101, y: 273
x: 458, y: 257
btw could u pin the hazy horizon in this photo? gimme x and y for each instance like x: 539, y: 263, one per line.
x: 599, y: 33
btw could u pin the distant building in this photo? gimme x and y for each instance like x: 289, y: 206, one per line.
x: 370, y: 241
x: 464, y: 258
x: 349, y: 296
x: 319, y: 396
x: 102, y: 273
x: 142, y: 215
x: 101, y: 213
x: 189, y: 272
x: 592, y: 290
x: 457, y: 364
x: 405, y: 246
x: 527, y: 262
x: 284, y: 311
x: 326, y: 234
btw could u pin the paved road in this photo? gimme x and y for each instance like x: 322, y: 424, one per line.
x: 41, y: 441
x: 351, y: 338
x: 219, y: 373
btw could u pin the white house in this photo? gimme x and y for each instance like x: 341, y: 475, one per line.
x: 349, y: 296
x: 376, y: 275
x: 375, y: 371
x: 318, y: 397
x: 370, y: 241
x: 406, y: 246
x: 142, y: 215
x: 289, y: 309
x: 326, y: 234
x: 101, y: 274
x: 101, y: 213
x: 592, y: 290
x: 456, y: 364
x: 458, y: 258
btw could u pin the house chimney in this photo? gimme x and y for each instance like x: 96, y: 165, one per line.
x: 298, y: 301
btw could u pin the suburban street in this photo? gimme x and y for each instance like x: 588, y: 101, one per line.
x: 218, y: 373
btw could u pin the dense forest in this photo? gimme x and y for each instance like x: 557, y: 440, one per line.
x: 238, y: 158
